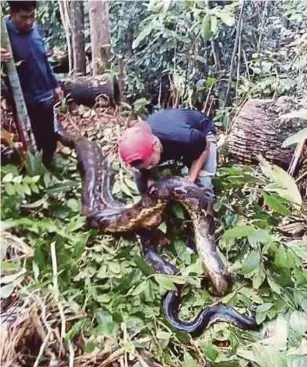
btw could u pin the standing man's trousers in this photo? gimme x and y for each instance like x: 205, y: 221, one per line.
x: 43, y: 126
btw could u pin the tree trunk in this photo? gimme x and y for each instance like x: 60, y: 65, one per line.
x: 22, y: 117
x: 100, y: 35
x: 86, y: 90
x: 65, y: 11
x: 257, y: 129
x: 78, y: 41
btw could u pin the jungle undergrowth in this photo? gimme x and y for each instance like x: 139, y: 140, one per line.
x: 105, y: 277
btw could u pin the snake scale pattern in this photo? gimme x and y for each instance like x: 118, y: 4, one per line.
x: 109, y: 216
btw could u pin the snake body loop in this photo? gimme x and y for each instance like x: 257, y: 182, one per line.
x: 109, y: 216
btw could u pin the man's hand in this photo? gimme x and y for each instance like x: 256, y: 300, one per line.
x: 150, y: 182
x: 59, y: 94
x: 5, y: 56
x: 190, y: 178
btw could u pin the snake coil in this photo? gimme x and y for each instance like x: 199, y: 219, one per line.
x: 108, y: 216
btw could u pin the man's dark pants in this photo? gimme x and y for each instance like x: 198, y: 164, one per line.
x: 42, y: 121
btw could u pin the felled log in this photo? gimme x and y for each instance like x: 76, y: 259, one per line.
x: 88, y: 90
x: 258, y: 129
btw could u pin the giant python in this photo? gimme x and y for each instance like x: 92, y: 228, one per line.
x: 109, y: 216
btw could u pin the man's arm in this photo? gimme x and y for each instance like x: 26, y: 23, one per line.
x: 198, y: 163
x: 57, y: 89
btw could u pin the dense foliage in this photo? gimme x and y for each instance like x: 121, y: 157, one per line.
x: 106, y: 276
x: 237, y: 50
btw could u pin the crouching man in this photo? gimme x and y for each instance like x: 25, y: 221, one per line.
x: 178, y: 135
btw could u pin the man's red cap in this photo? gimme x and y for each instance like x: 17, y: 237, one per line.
x: 136, y: 143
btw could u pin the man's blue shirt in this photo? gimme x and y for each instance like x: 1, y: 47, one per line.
x: 36, y: 76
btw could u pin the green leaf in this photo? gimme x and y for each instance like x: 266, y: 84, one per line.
x: 281, y: 258
x: 182, y: 252
x: 268, y: 356
x: 135, y: 324
x: 74, y: 330
x: 34, y: 164
x: 214, y: 26
x: 105, y: 320
x: 163, y: 227
x: 163, y: 335
x: 196, y: 268
x: 9, y: 189
x: 61, y: 187
x: 259, y: 236
x: 6, y: 267
x: 27, y: 189
x: 189, y: 361
x: 251, y: 262
x: 145, y: 268
x: 258, y: 278
x: 275, y: 203
x: 145, y: 32
x: 6, y: 279
x: 165, y: 282
x: 139, y: 289
x: 297, y: 361
x: 283, y: 184
x: 74, y: 205
x: 206, y: 27
x: 6, y: 290
x: 300, y: 114
x: 178, y: 210
x: 274, y: 286
x: 8, y: 178
x: 226, y: 17
x: 90, y: 346
x: 35, y: 204
x: 264, y: 307
x: 238, y: 232
x: 210, y: 352
x: 126, y: 281
x: 298, y: 322
x: 296, y: 138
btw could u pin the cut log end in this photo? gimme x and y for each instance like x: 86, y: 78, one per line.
x: 258, y: 129
x: 102, y: 89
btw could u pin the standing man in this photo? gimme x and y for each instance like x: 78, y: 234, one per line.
x: 39, y: 85
x: 172, y: 134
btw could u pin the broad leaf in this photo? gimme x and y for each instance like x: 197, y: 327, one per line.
x: 298, y: 322
x: 275, y: 203
x: 226, y: 17
x: 283, y: 184
x: 206, y: 27
x: 300, y: 114
x: 145, y: 268
x: 165, y: 282
x: 34, y: 164
x: 296, y: 138
x: 251, y: 262
x: 142, y: 35
x: 238, y: 232
x: 268, y: 356
x: 6, y: 290
x: 189, y: 361
x: 178, y: 210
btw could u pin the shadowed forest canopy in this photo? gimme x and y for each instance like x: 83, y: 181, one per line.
x: 71, y: 296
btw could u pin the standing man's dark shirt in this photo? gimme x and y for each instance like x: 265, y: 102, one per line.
x: 36, y: 76
x: 39, y: 85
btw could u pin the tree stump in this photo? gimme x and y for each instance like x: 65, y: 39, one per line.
x: 88, y: 90
x: 258, y: 129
